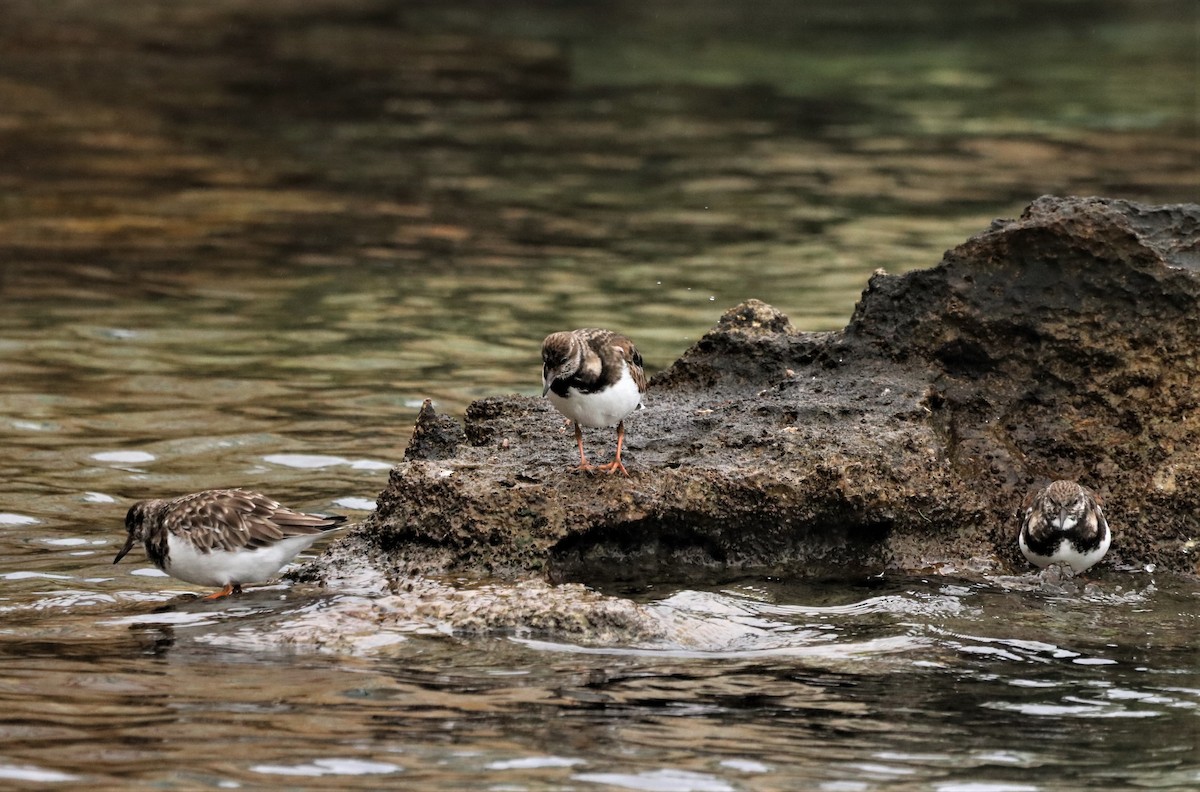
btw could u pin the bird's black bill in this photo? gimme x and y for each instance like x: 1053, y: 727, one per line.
x: 128, y: 546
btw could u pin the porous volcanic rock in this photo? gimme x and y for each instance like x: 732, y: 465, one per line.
x: 1065, y: 343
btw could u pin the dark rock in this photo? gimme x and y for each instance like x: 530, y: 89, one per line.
x: 750, y: 342
x: 1063, y: 344
x: 434, y: 436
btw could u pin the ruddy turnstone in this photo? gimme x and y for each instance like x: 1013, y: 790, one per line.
x: 225, y: 537
x: 595, y: 378
x: 1063, y: 523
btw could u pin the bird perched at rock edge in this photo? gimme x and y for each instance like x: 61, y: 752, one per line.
x: 1063, y: 523
x: 595, y: 378
x: 222, y: 537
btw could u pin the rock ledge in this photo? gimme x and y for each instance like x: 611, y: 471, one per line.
x: 1063, y: 344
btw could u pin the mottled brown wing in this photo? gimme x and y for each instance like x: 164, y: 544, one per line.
x: 237, y: 519
x: 634, y: 358
x: 1027, y: 501
x: 1033, y: 520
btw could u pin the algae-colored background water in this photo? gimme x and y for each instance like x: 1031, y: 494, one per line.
x: 240, y: 243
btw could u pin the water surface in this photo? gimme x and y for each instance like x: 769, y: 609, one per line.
x: 240, y: 246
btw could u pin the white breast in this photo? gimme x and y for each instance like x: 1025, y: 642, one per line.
x: 602, y: 408
x: 1067, y: 554
x: 220, y: 567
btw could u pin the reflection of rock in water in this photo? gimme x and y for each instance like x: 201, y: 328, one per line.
x: 1059, y: 344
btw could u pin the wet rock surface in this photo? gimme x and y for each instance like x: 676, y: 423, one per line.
x: 422, y: 606
x: 1062, y: 344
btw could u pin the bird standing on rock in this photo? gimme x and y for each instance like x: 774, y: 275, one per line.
x: 225, y: 537
x: 1063, y: 524
x: 595, y: 378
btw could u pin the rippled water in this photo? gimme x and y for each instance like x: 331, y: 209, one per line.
x: 241, y: 246
x: 925, y: 683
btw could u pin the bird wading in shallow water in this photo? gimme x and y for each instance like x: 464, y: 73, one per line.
x: 1063, y: 524
x: 226, y: 538
x: 595, y: 378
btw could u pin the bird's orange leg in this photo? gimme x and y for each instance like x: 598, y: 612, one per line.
x: 616, y: 466
x: 583, y: 463
x: 230, y: 588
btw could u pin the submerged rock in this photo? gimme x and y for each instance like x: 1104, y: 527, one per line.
x: 422, y: 606
x: 1063, y: 344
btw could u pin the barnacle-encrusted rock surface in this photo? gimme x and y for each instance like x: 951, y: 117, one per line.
x: 1063, y: 344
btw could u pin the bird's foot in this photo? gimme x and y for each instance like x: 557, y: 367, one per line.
x: 230, y: 588
x: 615, y: 466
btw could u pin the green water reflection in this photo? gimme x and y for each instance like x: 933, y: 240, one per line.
x: 241, y: 242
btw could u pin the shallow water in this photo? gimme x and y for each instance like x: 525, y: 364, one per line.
x: 925, y: 684
x: 241, y: 246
